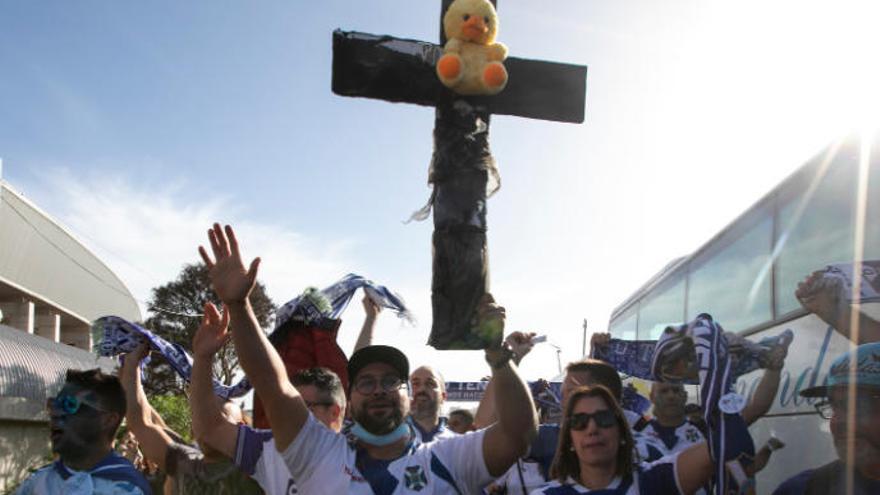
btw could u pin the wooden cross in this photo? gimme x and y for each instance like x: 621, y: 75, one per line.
x: 400, y: 70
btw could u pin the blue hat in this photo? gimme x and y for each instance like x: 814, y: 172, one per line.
x: 867, y: 370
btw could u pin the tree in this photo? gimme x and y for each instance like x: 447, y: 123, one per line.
x: 174, y: 308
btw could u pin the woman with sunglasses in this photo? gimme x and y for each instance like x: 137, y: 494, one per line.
x: 595, y: 453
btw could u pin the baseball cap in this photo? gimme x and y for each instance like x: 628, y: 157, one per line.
x: 378, y: 354
x: 865, y: 358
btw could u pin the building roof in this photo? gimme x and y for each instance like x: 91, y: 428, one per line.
x: 40, y: 259
x: 33, y: 369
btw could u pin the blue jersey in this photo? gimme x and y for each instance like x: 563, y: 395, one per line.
x: 113, y: 475
x: 656, y: 441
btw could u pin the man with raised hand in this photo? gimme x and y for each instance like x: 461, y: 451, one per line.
x: 385, y: 458
x: 190, y: 470
x: 253, y: 450
x: 428, y: 396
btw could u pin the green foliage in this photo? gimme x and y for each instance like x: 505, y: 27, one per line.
x: 169, y: 308
x: 174, y: 409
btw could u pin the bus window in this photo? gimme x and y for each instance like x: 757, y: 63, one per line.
x: 624, y: 326
x: 824, y: 232
x: 730, y: 283
x: 660, y: 309
x: 872, y: 222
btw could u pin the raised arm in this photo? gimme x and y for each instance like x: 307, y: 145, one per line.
x: 762, y: 400
x: 208, y: 423
x: 372, y: 310
x: 285, y: 408
x: 521, y: 344
x: 153, y: 440
x: 508, y: 439
x: 824, y: 304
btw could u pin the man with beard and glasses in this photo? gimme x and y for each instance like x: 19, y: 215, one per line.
x: 385, y: 458
x: 428, y: 396
x: 855, y: 427
x: 83, y: 420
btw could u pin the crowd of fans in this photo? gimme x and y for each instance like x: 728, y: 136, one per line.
x: 383, y: 432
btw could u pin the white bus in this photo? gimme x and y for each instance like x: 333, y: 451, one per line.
x: 745, y: 277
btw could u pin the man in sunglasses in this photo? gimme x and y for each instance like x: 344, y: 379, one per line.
x: 385, y: 457
x: 855, y: 427
x: 83, y: 420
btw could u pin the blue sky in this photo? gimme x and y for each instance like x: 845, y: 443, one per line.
x: 137, y: 124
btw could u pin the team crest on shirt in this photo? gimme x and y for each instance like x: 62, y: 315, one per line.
x: 692, y: 435
x: 414, y: 477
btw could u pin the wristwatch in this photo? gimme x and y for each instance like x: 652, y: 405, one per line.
x: 497, y: 357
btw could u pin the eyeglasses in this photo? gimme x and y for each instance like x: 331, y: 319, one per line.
x: 866, y: 406
x: 604, y: 419
x: 70, y: 404
x: 388, y: 383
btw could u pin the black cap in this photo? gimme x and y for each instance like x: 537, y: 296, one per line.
x: 378, y: 354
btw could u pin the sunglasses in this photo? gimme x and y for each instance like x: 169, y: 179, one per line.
x: 388, y: 383
x: 604, y: 419
x: 70, y: 404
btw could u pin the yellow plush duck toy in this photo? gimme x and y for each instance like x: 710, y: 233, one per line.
x: 471, y: 61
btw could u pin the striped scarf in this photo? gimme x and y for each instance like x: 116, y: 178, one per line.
x: 120, y: 336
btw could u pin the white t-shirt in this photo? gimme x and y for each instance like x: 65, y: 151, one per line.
x: 658, y: 478
x: 323, y: 461
x: 256, y: 455
x: 531, y: 477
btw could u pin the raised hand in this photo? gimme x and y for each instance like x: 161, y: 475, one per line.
x: 131, y: 360
x: 818, y: 298
x: 491, y: 318
x: 212, y: 334
x: 229, y: 278
x: 598, y: 340
x: 520, y: 343
x: 370, y: 308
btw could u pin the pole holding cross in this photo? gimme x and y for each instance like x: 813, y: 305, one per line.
x: 462, y: 169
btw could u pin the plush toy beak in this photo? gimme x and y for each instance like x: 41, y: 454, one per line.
x: 474, y: 27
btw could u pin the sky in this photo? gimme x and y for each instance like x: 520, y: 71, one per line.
x: 137, y: 125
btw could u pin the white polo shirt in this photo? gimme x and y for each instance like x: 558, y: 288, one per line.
x: 322, y: 461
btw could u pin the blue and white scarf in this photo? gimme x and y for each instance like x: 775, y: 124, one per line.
x: 120, y: 336
x: 635, y: 357
x: 840, y: 278
x: 730, y: 444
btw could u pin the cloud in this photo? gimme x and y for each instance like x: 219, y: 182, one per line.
x: 146, y: 232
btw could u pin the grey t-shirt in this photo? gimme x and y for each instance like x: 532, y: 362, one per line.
x: 191, y: 474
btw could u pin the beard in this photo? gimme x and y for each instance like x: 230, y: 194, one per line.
x: 379, y: 424
x: 423, y: 409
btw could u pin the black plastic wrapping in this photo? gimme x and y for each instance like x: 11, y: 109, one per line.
x: 402, y: 71
x: 462, y: 172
